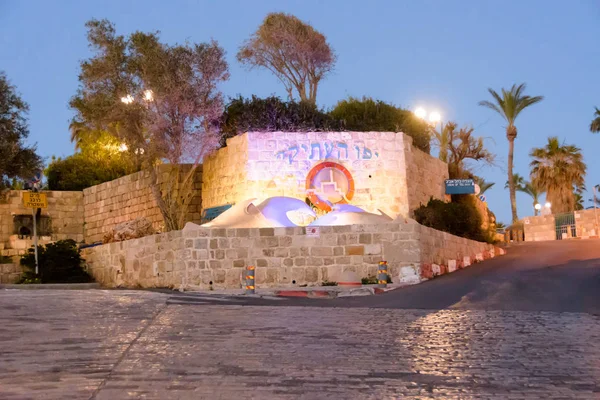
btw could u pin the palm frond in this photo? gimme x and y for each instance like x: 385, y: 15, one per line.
x: 595, y: 125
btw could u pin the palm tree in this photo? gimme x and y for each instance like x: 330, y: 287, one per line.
x: 559, y: 170
x: 532, y: 190
x: 518, y: 182
x: 483, y: 185
x: 523, y: 186
x: 578, y: 201
x: 509, y: 106
x: 595, y: 125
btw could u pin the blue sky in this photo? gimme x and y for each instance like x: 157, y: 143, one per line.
x: 440, y: 55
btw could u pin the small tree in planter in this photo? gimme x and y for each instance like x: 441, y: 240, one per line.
x: 59, y: 262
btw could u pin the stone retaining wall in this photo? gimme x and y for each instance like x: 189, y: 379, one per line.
x: 128, y: 198
x: 542, y: 227
x: 206, y: 257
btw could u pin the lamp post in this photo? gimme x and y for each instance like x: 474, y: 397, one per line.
x: 537, y: 207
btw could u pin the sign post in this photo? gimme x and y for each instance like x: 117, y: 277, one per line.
x: 35, y: 200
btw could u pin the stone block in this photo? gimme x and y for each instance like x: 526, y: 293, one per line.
x: 355, y: 250
x: 321, y: 251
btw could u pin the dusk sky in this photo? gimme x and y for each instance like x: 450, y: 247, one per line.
x: 440, y: 55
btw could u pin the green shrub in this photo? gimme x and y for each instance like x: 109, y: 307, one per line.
x: 372, y: 280
x: 459, y: 217
x: 271, y: 115
x: 328, y: 283
x: 78, y: 172
x: 366, y: 115
x: 59, y: 262
x: 5, y: 260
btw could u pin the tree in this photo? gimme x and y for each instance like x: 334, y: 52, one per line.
x: 595, y: 125
x: 509, y: 106
x: 523, y: 186
x: 294, y: 51
x: 160, y: 100
x: 17, y: 161
x: 518, y: 182
x: 559, y: 170
x: 483, y: 185
x: 273, y: 115
x: 578, y: 201
x: 367, y: 114
x: 462, y: 146
x: 533, y: 191
x: 441, y: 139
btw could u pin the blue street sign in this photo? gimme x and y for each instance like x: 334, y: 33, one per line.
x: 460, y: 186
x: 482, y: 198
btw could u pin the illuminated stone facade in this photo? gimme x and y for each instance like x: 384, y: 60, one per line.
x: 371, y: 170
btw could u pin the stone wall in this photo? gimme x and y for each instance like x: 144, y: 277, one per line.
x: 539, y: 228
x: 425, y: 176
x: 204, y: 257
x: 225, y: 174
x: 586, y: 223
x: 65, y: 210
x: 387, y: 171
x: 130, y: 197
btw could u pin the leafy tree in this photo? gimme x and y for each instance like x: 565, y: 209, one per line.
x: 159, y: 100
x: 272, y: 115
x: 559, y: 170
x: 366, y: 115
x: 595, y: 125
x: 509, y: 106
x: 462, y: 146
x: 483, y: 185
x: 294, y: 51
x: 17, y: 161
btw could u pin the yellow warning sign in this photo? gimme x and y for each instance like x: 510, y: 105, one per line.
x: 35, y: 200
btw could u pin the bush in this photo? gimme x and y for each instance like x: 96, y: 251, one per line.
x: 5, y: 260
x: 273, y: 114
x: 59, y: 262
x: 372, y: 280
x: 366, y: 115
x: 328, y: 283
x: 459, y: 217
x: 78, y: 172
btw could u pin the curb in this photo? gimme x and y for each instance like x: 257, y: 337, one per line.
x: 325, y: 294
x: 51, y: 286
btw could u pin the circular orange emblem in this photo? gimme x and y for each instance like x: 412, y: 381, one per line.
x: 328, y: 184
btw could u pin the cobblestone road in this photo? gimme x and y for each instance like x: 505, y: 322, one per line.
x: 125, y: 344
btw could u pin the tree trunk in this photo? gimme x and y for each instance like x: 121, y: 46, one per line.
x: 535, y: 211
x: 511, y: 182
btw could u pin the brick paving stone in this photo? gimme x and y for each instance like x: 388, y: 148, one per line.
x: 109, y: 345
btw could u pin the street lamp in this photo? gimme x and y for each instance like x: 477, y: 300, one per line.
x: 548, y: 205
x: 148, y: 95
x: 421, y: 113
x: 435, y: 117
x: 433, y: 120
x: 127, y: 99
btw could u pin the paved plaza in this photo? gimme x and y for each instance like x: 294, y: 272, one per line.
x: 112, y: 345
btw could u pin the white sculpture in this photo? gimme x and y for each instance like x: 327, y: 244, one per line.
x: 271, y: 213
